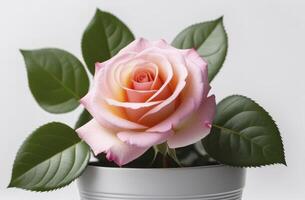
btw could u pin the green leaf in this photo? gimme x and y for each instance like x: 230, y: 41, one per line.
x: 194, y: 155
x: 104, y: 37
x: 83, y: 119
x: 52, y: 157
x: 56, y: 78
x: 244, y: 135
x: 209, y: 39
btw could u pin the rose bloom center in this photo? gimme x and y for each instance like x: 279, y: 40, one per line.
x: 142, y: 76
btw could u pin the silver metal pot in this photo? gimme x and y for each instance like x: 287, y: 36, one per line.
x: 217, y: 182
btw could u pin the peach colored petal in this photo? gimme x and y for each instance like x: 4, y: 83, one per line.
x: 124, y: 76
x: 143, y: 139
x: 124, y: 72
x: 179, y: 76
x: 103, y: 78
x: 142, y: 93
x: 99, y: 92
x: 143, y: 77
x: 139, y: 95
x: 143, y: 74
x: 133, y: 110
x: 190, y: 97
x: 108, y: 116
x: 110, y: 111
x: 132, y: 105
x: 177, y: 117
x: 154, y: 118
x: 102, y: 140
x: 142, y: 86
x: 165, y: 71
x: 135, y: 114
x: 144, y: 46
x: 196, y: 127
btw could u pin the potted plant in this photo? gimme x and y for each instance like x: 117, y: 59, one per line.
x: 150, y: 119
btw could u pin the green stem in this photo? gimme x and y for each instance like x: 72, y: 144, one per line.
x: 165, y: 162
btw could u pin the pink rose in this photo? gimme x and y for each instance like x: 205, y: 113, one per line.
x: 149, y: 93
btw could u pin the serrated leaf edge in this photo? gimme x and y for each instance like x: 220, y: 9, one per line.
x: 55, y: 188
x: 262, y: 165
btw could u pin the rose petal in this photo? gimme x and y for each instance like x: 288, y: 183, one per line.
x: 191, y: 97
x: 193, y: 56
x: 106, y: 115
x: 104, y: 77
x: 103, y: 140
x: 134, y: 110
x: 98, y: 66
x: 178, y: 81
x: 165, y: 72
x: 123, y: 154
x: 196, y: 127
x: 141, y: 44
x: 126, y: 72
x: 143, y: 139
x: 143, y: 74
x: 162, y: 44
x: 138, y: 94
x: 135, y: 114
x: 137, y: 46
x: 132, y: 105
x: 142, y: 86
x: 154, y: 118
x: 180, y: 114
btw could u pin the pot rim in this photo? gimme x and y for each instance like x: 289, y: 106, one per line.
x: 90, y: 165
x: 199, y: 182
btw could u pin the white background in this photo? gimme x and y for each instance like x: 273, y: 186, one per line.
x: 266, y: 61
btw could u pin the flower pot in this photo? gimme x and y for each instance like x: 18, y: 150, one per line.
x: 204, y: 183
